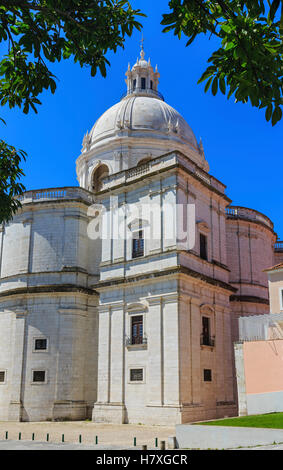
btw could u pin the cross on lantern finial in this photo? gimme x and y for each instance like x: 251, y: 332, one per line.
x: 142, y: 49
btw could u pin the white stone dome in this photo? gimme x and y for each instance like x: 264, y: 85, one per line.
x: 143, y: 116
x: 140, y: 127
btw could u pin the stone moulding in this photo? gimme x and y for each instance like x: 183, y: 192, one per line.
x: 249, y: 298
x: 165, y: 272
x: 62, y: 288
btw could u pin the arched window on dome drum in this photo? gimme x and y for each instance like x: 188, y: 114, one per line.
x: 151, y: 84
x: 101, y: 172
x: 134, y: 84
x: 143, y: 84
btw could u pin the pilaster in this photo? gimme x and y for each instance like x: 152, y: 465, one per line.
x: 16, y: 381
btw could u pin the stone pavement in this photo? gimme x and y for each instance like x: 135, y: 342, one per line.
x: 110, y: 436
x: 32, y: 445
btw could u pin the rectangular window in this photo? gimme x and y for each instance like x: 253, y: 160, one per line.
x: 142, y: 83
x: 138, y: 244
x: 151, y: 84
x: 207, y: 377
x: 137, y: 330
x: 203, y: 246
x: 206, y: 331
x: 2, y: 376
x: 136, y: 375
x: 40, y: 344
x: 134, y: 84
x: 38, y: 376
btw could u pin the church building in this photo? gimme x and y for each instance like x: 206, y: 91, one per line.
x: 134, y: 325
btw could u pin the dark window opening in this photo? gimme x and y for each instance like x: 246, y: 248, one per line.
x: 40, y: 344
x: 134, y: 84
x: 206, y: 331
x: 151, y: 84
x: 137, y: 330
x: 38, y: 376
x: 101, y: 172
x: 2, y: 376
x: 143, y: 84
x: 138, y: 244
x: 136, y: 375
x: 207, y: 377
x: 205, y: 338
x: 203, y: 246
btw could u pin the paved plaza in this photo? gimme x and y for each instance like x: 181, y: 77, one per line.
x: 107, y: 436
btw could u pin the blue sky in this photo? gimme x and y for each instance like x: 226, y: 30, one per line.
x: 243, y: 150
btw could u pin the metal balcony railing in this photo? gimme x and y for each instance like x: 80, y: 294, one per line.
x: 135, y: 340
x: 207, y: 340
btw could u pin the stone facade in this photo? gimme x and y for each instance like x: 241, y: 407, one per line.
x: 46, y: 263
x: 92, y: 327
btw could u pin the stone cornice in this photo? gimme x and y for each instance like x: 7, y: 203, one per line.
x: 249, y: 298
x: 253, y: 284
x: 250, y: 221
x: 166, y: 253
x: 176, y: 164
x: 164, y: 298
x: 204, y: 261
x: 64, y: 270
x: 73, y: 311
x: 174, y: 271
x: 48, y: 289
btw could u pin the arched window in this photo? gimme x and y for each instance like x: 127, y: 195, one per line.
x: 101, y: 172
x: 143, y: 83
x: 134, y: 84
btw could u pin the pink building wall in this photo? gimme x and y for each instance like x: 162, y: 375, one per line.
x: 263, y: 362
x: 259, y: 369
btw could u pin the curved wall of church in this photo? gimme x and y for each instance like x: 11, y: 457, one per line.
x: 250, y: 249
x: 48, y: 317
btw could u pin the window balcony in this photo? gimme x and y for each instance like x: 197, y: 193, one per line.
x: 207, y: 340
x: 136, y: 341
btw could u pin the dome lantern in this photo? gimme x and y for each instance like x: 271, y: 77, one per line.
x: 142, y: 80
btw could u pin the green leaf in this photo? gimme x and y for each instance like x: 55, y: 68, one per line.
x: 273, y: 9
x: 277, y: 115
x: 208, y: 84
x: 222, y: 85
x: 268, y: 112
x: 214, y: 87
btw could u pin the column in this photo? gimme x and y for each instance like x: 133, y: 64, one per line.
x: 185, y: 340
x: 109, y: 407
x: 104, y: 351
x: 220, y: 353
x: 155, y: 352
x: 196, y: 371
x: 171, y: 350
x: 117, y: 377
x: 18, y: 338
